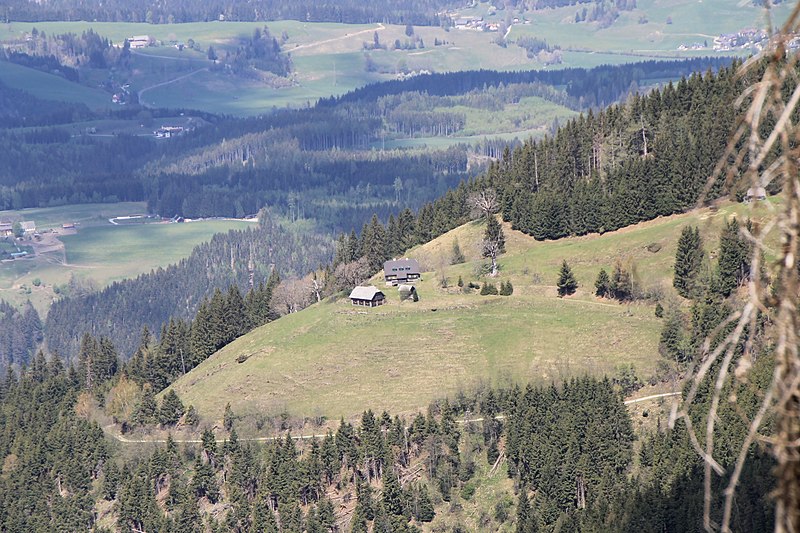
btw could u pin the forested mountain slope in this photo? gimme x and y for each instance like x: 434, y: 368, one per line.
x: 242, y: 258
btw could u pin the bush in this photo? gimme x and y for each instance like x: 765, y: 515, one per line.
x: 506, y: 289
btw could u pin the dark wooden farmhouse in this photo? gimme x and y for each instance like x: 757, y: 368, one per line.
x: 400, y: 271
x: 367, y: 296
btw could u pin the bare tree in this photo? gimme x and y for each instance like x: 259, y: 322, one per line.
x: 348, y: 275
x: 484, y: 202
x: 769, y: 108
x: 292, y: 295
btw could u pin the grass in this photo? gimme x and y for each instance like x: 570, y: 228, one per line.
x: 51, y: 87
x: 337, y: 360
x: 83, y: 214
x: 100, y: 252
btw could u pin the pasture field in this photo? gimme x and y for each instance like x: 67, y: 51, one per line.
x: 51, y: 87
x: 100, y: 253
x: 83, y: 214
x: 334, y: 359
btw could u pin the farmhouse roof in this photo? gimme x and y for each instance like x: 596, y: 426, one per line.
x: 28, y: 225
x: 401, y: 265
x: 365, y: 293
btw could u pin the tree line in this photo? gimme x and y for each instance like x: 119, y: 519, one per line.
x: 417, y: 12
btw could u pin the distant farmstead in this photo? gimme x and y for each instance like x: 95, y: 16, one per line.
x: 139, y: 41
x: 400, y: 271
x: 367, y: 296
x: 6, y: 228
x: 28, y: 227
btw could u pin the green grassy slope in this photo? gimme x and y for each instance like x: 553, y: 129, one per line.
x: 334, y: 359
x: 52, y: 87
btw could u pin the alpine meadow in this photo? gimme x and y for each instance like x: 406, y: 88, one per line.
x: 401, y: 266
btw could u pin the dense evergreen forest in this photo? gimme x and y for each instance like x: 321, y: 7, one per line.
x: 417, y: 12
x: 243, y: 258
x: 317, y: 162
x: 568, y: 448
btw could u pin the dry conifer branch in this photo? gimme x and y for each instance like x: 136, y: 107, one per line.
x: 760, y: 163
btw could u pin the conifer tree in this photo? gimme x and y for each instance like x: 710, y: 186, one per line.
x: 566, y: 281
x: 688, y: 261
x: 733, y: 267
x: 621, y: 283
x: 602, y: 284
x: 172, y: 409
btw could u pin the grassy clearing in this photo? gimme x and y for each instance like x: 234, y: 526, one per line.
x: 83, y: 214
x: 51, y: 87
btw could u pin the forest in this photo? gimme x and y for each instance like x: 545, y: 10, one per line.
x: 568, y: 448
x: 417, y: 12
x: 317, y: 158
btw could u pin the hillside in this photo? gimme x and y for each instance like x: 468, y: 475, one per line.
x: 335, y: 360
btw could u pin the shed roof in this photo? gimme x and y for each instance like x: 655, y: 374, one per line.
x: 365, y: 293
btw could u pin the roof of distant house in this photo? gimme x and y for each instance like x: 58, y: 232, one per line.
x: 411, y: 264
x: 365, y: 293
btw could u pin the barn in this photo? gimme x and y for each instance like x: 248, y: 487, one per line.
x: 367, y: 296
x: 400, y: 271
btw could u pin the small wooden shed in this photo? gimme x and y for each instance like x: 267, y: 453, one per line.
x: 367, y: 296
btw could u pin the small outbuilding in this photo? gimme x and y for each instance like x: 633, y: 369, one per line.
x: 400, y: 271
x: 408, y: 292
x: 367, y: 296
x: 755, y: 194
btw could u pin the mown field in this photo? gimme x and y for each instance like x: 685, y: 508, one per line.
x: 335, y: 360
x: 99, y: 253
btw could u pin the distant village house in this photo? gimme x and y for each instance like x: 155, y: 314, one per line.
x: 400, y: 271
x: 6, y: 228
x: 367, y: 296
x: 139, y: 41
x: 28, y: 227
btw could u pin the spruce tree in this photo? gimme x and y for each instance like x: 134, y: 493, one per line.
x: 602, y: 285
x: 566, y: 281
x: 688, y: 261
x: 172, y: 409
x: 733, y: 267
x: 621, y: 283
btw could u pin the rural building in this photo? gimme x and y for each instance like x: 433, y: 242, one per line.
x: 68, y: 225
x: 367, y: 296
x: 400, y: 271
x: 755, y: 194
x: 139, y: 41
x: 6, y: 228
x: 167, y: 132
x: 408, y: 292
x: 28, y: 227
